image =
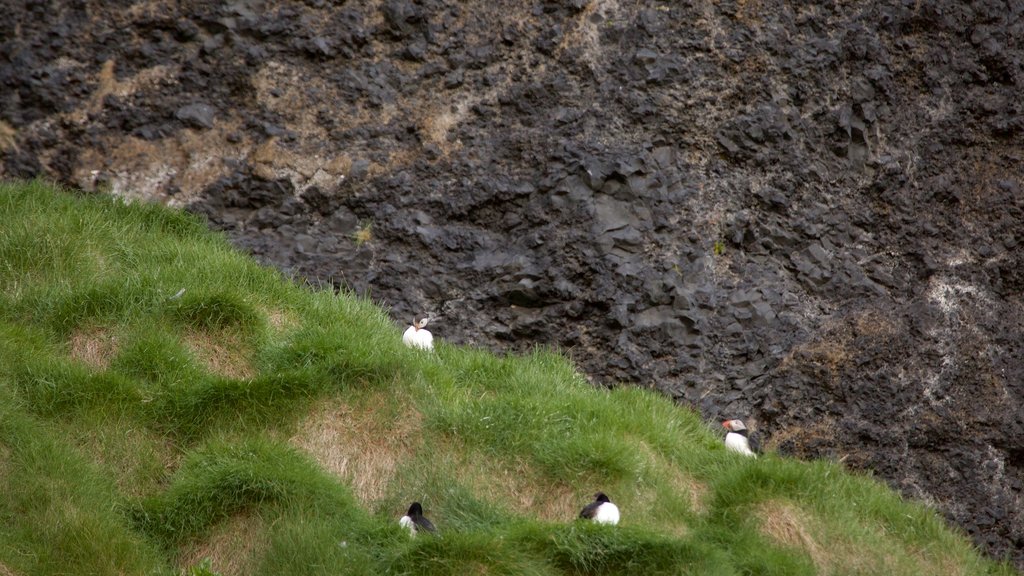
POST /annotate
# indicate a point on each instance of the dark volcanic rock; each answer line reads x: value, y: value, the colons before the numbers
x: 808, y: 216
x: 196, y: 115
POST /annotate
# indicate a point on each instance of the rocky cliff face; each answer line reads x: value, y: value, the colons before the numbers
x: 809, y: 217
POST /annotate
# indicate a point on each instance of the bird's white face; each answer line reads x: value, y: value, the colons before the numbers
x: 734, y: 425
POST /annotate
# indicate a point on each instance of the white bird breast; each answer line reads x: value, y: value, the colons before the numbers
x: 407, y: 523
x: 738, y: 443
x: 421, y: 338
x: 607, y: 513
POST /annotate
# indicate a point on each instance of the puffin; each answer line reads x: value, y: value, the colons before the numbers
x: 416, y: 336
x: 736, y: 439
x: 414, y: 520
x: 601, y: 510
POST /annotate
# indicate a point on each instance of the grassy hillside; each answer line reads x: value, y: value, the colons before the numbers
x: 251, y: 426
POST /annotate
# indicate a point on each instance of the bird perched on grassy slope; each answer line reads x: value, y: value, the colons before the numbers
x: 417, y: 336
x: 738, y: 440
x: 601, y: 510
x: 414, y: 520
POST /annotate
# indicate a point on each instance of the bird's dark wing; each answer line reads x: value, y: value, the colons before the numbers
x: 754, y: 439
x: 424, y: 524
x: 590, y: 510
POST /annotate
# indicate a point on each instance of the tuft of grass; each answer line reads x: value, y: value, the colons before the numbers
x: 214, y: 311
x: 62, y: 507
x: 165, y: 399
x: 459, y: 553
x: 203, y: 568
x: 364, y: 234
x: 155, y: 356
x: 585, y: 548
x: 220, y: 479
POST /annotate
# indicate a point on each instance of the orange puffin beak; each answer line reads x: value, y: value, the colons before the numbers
x: 725, y: 424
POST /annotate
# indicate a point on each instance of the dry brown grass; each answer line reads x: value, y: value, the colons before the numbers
x: 281, y: 320
x: 516, y: 484
x: 520, y: 486
x: 5, y: 571
x: 138, y: 458
x: 93, y: 346
x: 874, y: 324
x: 696, y: 490
x: 832, y: 354
x: 584, y: 32
x: 229, y: 546
x: 192, y: 159
x: 303, y: 165
x: 301, y: 99
x: 824, y: 429
x: 434, y: 127
x: 749, y: 12
x: 847, y: 549
x: 838, y: 344
x: 146, y: 9
x: 137, y: 168
x: 221, y: 352
x: 107, y: 84
x: 7, y: 136
x: 362, y: 443
x: 698, y: 493
x: 824, y: 358
x: 943, y: 562
x: 273, y: 157
x: 363, y: 234
x: 5, y: 457
x: 790, y: 526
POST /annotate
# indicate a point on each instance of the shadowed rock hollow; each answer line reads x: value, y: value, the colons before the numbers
x: 809, y: 217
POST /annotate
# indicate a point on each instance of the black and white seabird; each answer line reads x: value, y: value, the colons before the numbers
x: 414, y: 520
x: 737, y: 440
x: 417, y: 336
x: 601, y: 510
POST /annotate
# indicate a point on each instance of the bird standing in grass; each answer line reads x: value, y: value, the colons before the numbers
x: 414, y: 520
x: 737, y: 439
x: 601, y: 510
x: 416, y: 336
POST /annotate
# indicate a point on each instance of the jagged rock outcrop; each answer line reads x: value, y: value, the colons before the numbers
x: 806, y: 216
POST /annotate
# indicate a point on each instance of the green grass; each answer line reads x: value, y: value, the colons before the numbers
x: 249, y: 425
